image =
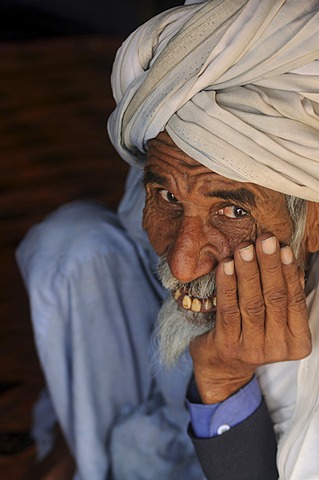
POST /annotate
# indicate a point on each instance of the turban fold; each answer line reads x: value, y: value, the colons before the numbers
x: 235, y: 83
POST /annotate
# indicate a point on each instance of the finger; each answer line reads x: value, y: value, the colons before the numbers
x: 228, y: 320
x: 250, y: 296
x: 297, y: 315
x: 273, y: 284
x: 302, y: 279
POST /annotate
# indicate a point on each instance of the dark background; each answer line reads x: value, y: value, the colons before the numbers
x: 55, y: 97
x: 22, y: 19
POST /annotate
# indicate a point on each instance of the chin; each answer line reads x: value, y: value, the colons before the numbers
x: 177, y: 327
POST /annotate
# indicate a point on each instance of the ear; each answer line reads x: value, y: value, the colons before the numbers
x: 312, y: 227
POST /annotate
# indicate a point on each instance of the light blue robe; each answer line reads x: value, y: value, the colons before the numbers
x: 94, y: 298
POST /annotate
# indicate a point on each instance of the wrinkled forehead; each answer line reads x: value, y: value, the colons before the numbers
x: 163, y: 152
x: 165, y: 146
x: 168, y: 165
x: 165, y: 160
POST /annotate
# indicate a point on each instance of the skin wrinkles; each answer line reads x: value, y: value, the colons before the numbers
x: 242, y: 195
x: 188, y: 211
x: 226, y: 237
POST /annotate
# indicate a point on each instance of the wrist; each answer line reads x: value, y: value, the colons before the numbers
x: 217, y: 388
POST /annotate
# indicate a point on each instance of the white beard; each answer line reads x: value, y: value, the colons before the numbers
x: 175, y: 331
x: 177, y: 327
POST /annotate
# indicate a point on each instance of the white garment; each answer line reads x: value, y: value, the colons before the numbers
x: 291, y: 390
x: 235, y: 83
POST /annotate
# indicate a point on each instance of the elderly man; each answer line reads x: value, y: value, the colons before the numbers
x: 219, y: 102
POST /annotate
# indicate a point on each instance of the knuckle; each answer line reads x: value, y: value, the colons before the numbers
x: 276, y: 298
x: 255, y: 357
x: 298, y: 302
x: 273, y: 268
x: 277, y: 348
x: 280, y: 355
x: 230, y: 322
x: 253, y: 310
x: 231, y: 352
x: 302, y: 350
x: 228, y: 294
x: 294, y: 283
x: 229, y: 313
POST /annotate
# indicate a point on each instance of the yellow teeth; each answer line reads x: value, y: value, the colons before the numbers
x: 208, y: 304
x: 178, y: 293
x: 187, y: 302
x: 196, y: 305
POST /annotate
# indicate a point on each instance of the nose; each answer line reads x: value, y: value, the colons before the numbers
x: 196, y: 249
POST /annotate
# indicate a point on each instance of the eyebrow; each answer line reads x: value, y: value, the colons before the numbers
x: 151, y: 177
x: 241, y: 195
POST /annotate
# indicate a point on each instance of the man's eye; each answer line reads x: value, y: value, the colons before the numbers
x: 168, y: 196
x: 232, y: 212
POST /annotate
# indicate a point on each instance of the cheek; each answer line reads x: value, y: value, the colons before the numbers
x: 280, y: 226
x: 159, y: 230
x: 237, y: 231
x: 272, y: 216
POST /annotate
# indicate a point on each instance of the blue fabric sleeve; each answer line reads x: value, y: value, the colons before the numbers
x: 212, y: 420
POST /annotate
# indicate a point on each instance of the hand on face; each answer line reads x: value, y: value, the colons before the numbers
x: 261, y: 318
x: 198, y: 221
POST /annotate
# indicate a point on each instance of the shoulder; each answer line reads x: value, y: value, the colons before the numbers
x: 71, y: 235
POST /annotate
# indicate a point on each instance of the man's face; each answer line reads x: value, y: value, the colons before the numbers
x: 195, y: 218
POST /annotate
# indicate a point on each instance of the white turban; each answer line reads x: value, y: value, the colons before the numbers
x: 235, y: 83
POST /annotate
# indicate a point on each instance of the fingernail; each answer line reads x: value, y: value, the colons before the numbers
x: 286, y: 255
x: 269, y: 245
x: 229, y: 267
x: 247, y: 253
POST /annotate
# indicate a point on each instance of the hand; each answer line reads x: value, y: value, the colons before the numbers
x: 261, y: 318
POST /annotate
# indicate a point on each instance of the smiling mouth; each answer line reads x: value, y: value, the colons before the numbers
x: 195, y: 304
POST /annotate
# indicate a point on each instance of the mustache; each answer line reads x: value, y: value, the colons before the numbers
x: 201, y: 287
x: 177, y: 327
